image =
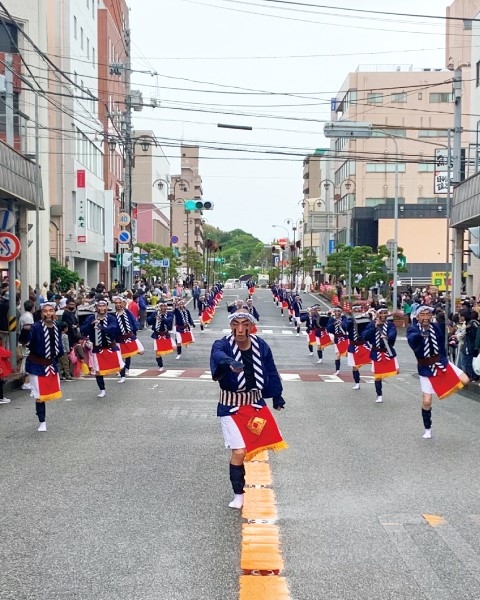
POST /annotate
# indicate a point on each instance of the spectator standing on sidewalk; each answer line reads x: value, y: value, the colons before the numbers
x: 64, y: 366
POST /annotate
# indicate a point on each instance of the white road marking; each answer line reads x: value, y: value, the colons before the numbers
x: 290, y: 377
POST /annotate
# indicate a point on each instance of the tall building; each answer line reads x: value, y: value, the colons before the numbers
x: 81, y: 213
x: 112, y: 27
x: 411, y: 111
x: 23, y: 39
x: 150, y: 181
x: 462, y: 53
x: 187, y: 225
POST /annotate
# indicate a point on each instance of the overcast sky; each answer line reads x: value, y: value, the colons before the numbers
x: 273, y: 65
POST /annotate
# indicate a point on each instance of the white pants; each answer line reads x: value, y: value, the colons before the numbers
x: 231, y: 434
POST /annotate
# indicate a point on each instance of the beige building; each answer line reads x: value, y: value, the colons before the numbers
x: 187, y: 226
x: 411, y: 111
x: 462, y: 51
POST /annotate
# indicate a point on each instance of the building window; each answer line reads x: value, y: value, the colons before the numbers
x: 374, y: 98
x: 75, y: 27
x: 93, y: 9
x: 431, y: 201
x: 8, y: 37
x: 467, y: 24
x: 3, y: 118
x: 88, y: 4
x: 477, y: 77
x: 432, y: 133
x: 81, y: 38
x: 441, y: 97
x: 420, y: 95
x: 88, y: 48
x: 426, y: 167
x: 399, y: 98
x: 371, y: 202
x: 391, y: 132
x: 95, y: 217
x: 93, y: 56
x: 385, y: 167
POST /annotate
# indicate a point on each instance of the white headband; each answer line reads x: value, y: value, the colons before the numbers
x: 241, y: 315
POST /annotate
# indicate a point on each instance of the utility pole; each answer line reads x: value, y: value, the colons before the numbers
x: 129, y: 155
x: 12, y: 265
x: 457, y: 234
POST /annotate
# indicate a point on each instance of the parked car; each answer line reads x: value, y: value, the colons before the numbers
x: 232, y: 284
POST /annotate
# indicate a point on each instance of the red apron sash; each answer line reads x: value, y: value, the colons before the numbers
x: 164, y: 345
x: 49, y: 387
x: 259, y: 430
x: 108, y: 361
x: 386, y: 367
x: 445, y: 383
x: 362, y: 356
x: 186, y: 338
x: 130, y: 348
x: 324, y: 340
x: 342, y: 346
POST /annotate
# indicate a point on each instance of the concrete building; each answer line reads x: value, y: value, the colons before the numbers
x: 187, y: 227
x: 151, y: 207
x: 411, y: 111
x: 462, y: 51
x: 112, y: 24
x: 81, y: 214
x: 18, y: 191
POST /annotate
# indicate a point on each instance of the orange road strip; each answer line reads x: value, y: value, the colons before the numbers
x: 258, y: 473
x: 263, y: 588
x: 261, y: 559
x: 434, y: 520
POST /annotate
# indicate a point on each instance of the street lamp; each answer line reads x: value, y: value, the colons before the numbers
x: 346, y: 210
x: 306, y: 203
x: 326, y: 186
x: 350, y: 129
x: 295, y: 226
x: 129, y: 144
x: 281, y: 250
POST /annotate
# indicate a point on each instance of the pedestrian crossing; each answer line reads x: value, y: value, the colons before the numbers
x: 205, y: 375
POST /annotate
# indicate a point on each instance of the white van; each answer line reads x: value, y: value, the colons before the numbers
x: 232, y: 284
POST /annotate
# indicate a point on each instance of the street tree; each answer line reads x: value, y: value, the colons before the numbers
x: 151, y: 253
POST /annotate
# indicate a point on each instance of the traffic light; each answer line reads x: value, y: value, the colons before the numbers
x: 298, y: 244
x: 198, y: 205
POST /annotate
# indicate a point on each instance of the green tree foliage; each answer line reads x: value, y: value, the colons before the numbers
x: 58, y: 270
x: 153, y: 252
x: 361, y: 260
x: 243, y: 253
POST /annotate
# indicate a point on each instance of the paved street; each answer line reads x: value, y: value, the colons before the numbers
x: 126, y: 497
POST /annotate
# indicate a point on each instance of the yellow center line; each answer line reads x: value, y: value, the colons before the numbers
x: 261, y: 559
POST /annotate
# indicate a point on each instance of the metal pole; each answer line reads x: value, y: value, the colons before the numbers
x: 310, y: 214
x: 447, y: 252
x: 457, y: 262
x: 37, y: 204
x: 395, y: 232
x: 9, y: 136
x: 129, y: 152
x: 188, y: 254
x: 395, y: 225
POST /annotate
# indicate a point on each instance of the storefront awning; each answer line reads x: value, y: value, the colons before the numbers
x: 17, y: 178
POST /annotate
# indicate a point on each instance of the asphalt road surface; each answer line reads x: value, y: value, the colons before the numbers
x: 126, y: 497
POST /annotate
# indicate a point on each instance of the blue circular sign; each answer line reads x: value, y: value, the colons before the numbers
x: 174, y: 239
x: 124, y: 237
